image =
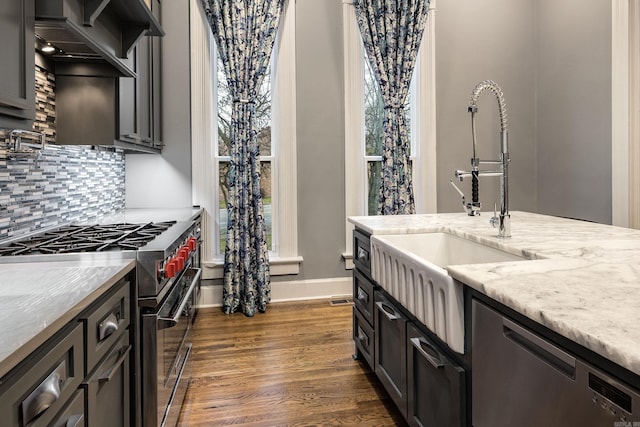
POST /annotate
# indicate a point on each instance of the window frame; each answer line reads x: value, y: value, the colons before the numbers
x: 423, y: 124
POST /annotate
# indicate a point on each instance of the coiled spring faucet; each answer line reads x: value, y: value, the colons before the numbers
x: 503, y: 220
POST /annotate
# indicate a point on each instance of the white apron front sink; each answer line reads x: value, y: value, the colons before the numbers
x: 412, y: 268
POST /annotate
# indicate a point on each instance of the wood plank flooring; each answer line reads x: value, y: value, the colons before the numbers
x: 291, y: 366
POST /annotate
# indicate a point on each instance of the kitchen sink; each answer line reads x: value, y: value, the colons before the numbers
x: 412, y: 268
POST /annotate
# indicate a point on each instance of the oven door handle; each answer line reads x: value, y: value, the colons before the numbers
x: 170, y: 322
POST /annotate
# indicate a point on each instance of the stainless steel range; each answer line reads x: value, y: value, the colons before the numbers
x: 168, y: 285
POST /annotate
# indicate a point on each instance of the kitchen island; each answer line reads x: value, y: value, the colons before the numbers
x: 583, y: 279
x: 577, y: 287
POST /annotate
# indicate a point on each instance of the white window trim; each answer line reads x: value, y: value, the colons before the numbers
x: 424, y: 170
x: 625, y: 121
x: 284, y: 258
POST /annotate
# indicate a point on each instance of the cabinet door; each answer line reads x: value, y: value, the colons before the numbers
x: 73, y: 414
x: 17, y: 66
x: 34, y: 392
x: 108, y: 388
x: 363, y: 295
x: 363, y: 338
x: 435, y: 386
x: 140, y: 97
x: 156, y: 79
x: 391, y: 350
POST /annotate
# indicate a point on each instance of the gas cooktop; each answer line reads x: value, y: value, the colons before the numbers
x: 87, y: 238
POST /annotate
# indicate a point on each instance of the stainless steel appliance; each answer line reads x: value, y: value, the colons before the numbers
x: 168, y: 280
x: 521, y: 379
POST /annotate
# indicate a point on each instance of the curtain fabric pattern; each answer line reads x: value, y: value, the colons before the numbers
x: 245, y: 32
x: 391, y: 31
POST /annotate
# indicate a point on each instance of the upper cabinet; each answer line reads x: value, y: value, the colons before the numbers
x: 140, y: 98
x: 17, y: 99
x: 114, y: 110
x: 94, y: 36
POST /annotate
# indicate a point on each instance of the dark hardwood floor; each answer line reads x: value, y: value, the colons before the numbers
x: 291, y: 366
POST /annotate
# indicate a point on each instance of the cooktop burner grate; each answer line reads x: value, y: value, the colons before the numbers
x: 87, y: 238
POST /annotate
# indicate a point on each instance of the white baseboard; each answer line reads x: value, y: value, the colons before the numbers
x: 296, y: 290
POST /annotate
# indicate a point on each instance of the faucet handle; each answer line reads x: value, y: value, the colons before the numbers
x: 495, y: 221
x: 472, y: 209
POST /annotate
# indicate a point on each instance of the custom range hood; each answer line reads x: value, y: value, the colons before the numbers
x: 93, y: 37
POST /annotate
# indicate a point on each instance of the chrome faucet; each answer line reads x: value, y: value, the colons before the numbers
x: 503, y: 220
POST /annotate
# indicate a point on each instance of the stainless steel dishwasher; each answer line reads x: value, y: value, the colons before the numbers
x: 520, y: 379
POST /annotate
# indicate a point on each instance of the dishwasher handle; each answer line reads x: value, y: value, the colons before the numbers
x: 543, y: 350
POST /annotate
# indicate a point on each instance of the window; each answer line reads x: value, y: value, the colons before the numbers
x: 263, y: 118
x: 363, y: 126
x: 211, y: 111
x: 373, y: 107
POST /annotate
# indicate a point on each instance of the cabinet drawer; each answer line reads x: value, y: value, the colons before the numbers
x: 390, y: 328
x: 363, y: 295
x: 108, y: 388
x: 363, y: 337
x: 361, y: 252
x: 36, y: 390
x: 435, y: 385
x: 73, y: 413
x: 104, y: 325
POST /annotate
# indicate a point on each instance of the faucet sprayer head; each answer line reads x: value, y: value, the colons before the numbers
x: 493, y: 87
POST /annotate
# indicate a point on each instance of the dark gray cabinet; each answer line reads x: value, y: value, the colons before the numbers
x: 390, y: 330
x: 435, y: 385
x: 82, y: 376
x: 363, y: 293
x: 37, y: 389
x: 139, y: 98
x: 109, y: 110
x: 425, y: 381
x: 108, y: 388
x: 17, y: 64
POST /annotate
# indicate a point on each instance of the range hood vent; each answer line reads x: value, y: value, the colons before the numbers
x: 93, y: 37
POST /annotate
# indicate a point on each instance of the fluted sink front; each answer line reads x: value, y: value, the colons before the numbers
x: 412, y: 268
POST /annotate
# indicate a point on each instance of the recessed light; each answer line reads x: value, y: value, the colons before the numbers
x: 48, y: 48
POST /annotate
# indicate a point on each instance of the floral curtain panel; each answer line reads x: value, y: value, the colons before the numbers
x: 391, y: 32
x: 245, y: 32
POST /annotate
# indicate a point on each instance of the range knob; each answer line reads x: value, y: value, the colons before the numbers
x: 180, y: 261
x: 184, y: 252
x: 192, y: 243
x: 170, y: 269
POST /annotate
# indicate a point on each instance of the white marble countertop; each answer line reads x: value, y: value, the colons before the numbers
x: 37, y: 299
x: 583, y: 279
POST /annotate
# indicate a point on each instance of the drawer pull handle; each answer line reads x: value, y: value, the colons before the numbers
x: 75, y: 421
x: 388, y: 311
x: 108, y: 326
x: 45, y: 395
x: 362, y: 295
x: 363, y: 255
x: 363, y: 338
x: 428, y: 352
x: 108, y: 375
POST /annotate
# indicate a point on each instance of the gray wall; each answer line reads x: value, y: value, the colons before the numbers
x: 164, y: 181
x: 320, y: 138
x: 574, y: 109
x: 475, y: 41
x: 553, y: 61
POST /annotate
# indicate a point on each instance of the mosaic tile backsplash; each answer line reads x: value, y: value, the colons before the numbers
x: 64, y: 184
